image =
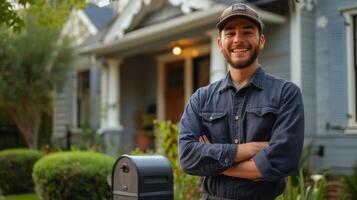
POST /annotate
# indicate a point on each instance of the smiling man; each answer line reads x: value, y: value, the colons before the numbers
x: 243, y: 134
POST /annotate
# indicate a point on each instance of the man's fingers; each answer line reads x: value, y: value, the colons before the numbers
x: 200, y: 139
x: 203, y: 139
x: 206, y: 139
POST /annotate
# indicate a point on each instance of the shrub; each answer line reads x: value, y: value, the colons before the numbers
x: 350, y: 185
x: 16, y: 170
x: 185, y: 186
x: 166, y: 141
x: 73, y: 175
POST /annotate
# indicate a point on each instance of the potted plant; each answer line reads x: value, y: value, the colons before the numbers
x: 145, y: 135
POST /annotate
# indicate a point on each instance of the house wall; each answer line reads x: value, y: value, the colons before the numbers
x: 308, y: 70
x: 331, y: 90
x: 275, y: 57
x: 138, y: 91
x: 63, y: 111
x: 94, y: 75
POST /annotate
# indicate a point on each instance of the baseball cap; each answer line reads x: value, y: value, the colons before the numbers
x: 239, y: 10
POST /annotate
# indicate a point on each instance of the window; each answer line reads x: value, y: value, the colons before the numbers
x: 83, y: 99
x: 350, y: 15
x: 201, y: 71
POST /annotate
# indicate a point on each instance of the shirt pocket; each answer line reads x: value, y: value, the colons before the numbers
x: 215, y: 126
x: 259, y: 122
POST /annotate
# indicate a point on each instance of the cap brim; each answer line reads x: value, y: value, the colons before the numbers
x: 224, y: 21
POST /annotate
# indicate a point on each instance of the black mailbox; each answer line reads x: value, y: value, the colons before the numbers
x: 142, y: 178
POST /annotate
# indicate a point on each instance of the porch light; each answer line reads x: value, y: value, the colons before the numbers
x: 176, y: 50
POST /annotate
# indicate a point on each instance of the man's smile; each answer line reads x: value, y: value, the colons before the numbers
x: 238, y: 50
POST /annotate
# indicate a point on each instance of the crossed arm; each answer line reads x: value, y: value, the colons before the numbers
x: 246, y: 167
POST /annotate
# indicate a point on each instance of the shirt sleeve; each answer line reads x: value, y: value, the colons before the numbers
x: 281, y: 157
x: 196, y: 158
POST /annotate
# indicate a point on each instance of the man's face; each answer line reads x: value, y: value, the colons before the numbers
x: 240, y: 42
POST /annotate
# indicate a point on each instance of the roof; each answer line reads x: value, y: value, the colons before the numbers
x: 119, y: 35
x: 99, y: 16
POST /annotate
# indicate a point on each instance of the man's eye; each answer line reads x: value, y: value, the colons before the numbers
x: 229, y: 33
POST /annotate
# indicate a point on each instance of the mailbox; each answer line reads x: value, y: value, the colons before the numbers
x: 142, y: 178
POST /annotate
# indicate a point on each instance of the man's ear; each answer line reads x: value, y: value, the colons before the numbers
x: 262, y: 41
x: 219, y: 42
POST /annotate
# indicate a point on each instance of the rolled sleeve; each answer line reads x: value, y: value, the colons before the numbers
x: 282, y: 156
x: 196, y: 158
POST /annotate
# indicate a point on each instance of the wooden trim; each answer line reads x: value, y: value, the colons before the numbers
x: 188, y: 54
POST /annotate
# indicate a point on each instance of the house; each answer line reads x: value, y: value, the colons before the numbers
x: 77, y: 105
x: 310, y: 42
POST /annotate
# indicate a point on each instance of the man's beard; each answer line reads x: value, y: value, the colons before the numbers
x: 247, y: 63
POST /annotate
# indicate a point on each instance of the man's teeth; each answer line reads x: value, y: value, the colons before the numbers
x: 239, y: 50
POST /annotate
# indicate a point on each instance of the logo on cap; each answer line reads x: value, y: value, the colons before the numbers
x: 239, y: 7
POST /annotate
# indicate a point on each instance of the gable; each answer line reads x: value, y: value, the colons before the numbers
x: 134, y: 14
x: 167, y: 12
x: 78, y: 27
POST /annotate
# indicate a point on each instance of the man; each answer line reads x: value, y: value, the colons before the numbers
x: 244, y: 133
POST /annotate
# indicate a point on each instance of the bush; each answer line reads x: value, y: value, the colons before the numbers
x: 185, y: 186
x: 16, y: 170
x: 350, y: 185
x: 73, y: 175
x: 166, y: 141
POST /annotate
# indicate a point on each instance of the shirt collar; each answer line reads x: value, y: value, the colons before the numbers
x: 256, y: 80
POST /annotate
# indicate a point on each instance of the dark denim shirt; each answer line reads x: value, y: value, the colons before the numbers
x: 267, y: 109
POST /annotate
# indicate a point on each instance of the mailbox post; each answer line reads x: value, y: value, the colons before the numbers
x: 142, y: 178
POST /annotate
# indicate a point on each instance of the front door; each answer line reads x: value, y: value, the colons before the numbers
x: 174, y: 90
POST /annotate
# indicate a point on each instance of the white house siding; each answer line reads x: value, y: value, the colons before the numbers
x: 63, y: 112
x: 331, y: 90
x: 308, y: 69
x: 275, y: 56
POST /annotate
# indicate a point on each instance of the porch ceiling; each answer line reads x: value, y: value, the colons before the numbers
x: 159, y: 34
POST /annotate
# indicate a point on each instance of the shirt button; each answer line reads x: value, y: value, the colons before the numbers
x: 237, y: 117
x: 236, y: 141
x: 226, y: 161
x: 211, y: 118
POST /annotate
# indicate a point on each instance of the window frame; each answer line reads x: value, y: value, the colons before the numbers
x: 350, y: 15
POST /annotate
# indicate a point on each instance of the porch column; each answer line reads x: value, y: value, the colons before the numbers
x: 218, y: 68
x: 113, y: 103
x: 103, y: 96
x: 110, y: 125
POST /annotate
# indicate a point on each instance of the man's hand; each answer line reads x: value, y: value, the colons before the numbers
x: 246, y: 167
x: 204, y: 140
x: 248, y: 150
x: 244, y: 151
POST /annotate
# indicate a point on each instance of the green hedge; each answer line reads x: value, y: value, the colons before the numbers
x: 16, y: 170
x: 73, y: 175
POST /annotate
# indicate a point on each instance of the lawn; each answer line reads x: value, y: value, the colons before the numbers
x: 21, y: 197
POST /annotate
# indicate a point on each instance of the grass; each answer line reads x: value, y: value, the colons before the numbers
x: 21, y: 197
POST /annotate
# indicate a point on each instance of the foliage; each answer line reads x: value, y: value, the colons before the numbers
x: 9, y: 16
x: 51, y: 13
x: 73, y: 175
x: 21, y: 197
x: 299, y: 188
x: 29, y: 76
x: 350, y: 185
x: 16, y: 170
x: 166, y: 135
x: 304, y: 191
x: 185, y: 186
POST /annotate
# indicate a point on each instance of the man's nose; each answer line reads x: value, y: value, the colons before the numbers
x: 238, y: 37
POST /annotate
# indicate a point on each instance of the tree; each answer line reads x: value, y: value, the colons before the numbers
x: 50, y: 12
x: 33, y: 64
